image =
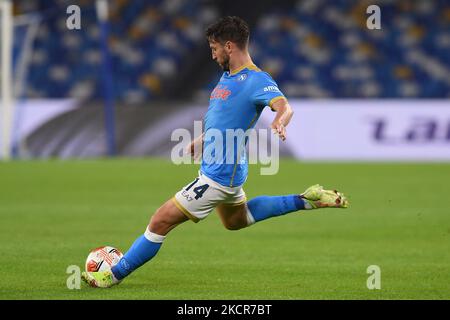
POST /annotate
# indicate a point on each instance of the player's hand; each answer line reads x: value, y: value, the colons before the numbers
x: 190, y: 149
x: 279, y: 129
x: 194, y: 150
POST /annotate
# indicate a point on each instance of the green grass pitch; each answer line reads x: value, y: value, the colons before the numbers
x: 52, y: 213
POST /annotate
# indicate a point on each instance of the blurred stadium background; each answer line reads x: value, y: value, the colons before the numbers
x: 118, y: 86
x: 136, y: 70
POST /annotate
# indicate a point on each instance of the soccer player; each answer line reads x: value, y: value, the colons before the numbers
x: 236, y: 103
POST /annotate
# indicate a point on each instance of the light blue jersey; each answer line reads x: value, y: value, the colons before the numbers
x: 235, y: 103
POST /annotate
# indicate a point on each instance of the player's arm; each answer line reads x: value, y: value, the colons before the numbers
x: 282, y: 118
x: 196, y: 147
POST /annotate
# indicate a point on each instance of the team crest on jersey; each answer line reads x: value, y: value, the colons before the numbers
x: 242, y: 77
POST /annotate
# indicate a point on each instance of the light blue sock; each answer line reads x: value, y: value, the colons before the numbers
x: 265, y: 207
x: 143, y: 249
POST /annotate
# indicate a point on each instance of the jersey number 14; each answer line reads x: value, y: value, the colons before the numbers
x: 199, y: 190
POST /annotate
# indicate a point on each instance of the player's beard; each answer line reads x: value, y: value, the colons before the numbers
x: 226, y: 63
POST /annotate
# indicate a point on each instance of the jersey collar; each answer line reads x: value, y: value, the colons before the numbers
x: 250, y: 66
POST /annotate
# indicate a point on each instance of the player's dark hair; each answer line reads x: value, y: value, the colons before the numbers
x: 229, y: 28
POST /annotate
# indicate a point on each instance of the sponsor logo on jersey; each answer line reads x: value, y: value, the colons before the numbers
x: 271, y: 89
x: 220, y: 92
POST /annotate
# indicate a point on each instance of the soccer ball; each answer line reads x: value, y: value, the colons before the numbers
x: 102, y: 259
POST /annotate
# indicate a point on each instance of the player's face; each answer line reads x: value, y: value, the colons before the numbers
x: 220, y: 55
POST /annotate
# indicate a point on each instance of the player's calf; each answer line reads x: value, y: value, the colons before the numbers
x: 315, y: 197
x: 167, y: 217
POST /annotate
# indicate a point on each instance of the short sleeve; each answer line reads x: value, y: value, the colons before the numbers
x: 265, y: 90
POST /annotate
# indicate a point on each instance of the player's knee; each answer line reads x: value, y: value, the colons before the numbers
x: 234, y: 225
